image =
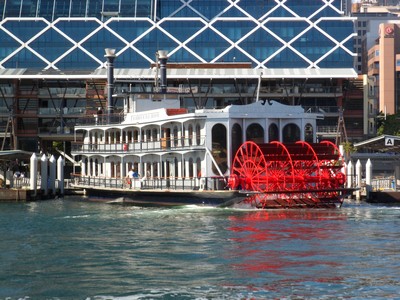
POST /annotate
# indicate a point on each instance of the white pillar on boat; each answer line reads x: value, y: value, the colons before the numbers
x: 33, y: 173
x: 358, y: 179
x: 144, y: 170
x: 140, y: 168
x: 60, y: 174
x: 187, y: 168
x: 350, y: 170
x: 52, y: 174
x: 180, y: 168
x: 83, y: 168
x: 195, y: 173
x: 43, y: 174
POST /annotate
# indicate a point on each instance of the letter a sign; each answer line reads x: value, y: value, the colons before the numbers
x: 389, y: 141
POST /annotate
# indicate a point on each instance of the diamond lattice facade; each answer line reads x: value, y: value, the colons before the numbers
x: 72, y: 34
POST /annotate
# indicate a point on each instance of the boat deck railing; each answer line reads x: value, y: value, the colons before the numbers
x: 140, y: 146
x: 154, y: 183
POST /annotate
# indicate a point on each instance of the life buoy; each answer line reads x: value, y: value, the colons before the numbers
x: 128, y: 180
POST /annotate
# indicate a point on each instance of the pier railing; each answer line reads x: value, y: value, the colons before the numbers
x: 154, y: 183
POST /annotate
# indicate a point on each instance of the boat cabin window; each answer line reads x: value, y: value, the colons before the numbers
x: 190, y: 129
x: 309, y: 133
x: 291, y: 133
x: 236, y: 138
x: 219, y: 151
x: 273, y: 133
x: 255, y: 133
x: 175, y: 133
x: 198, y: 134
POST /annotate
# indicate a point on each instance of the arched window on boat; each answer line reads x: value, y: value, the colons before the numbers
x: 129, y: 136
x: 107, y: 137
x: 219, y: 148
x: 273, y: 133
x: 191, y: 175
x: 190, y: 138
x: 118, y: 170
x: 291, y: 133
x: 154, y: 134
x: 183, y: 137
x: 112, y: 169
x: 198, y: 167
x: 135, y: 135
x: 308, y: 133
x: 175, y: 137
x: 155, y: 169
x: 176, y: 173
x: 198, y: 137
x: 85, y: 171
x: 118, y: 137
x: 96, y: 167
x: 255, y: 133
x: 123, y: 136
x: 236, y: 138
x: 142, y: 136
x: 148, y: 135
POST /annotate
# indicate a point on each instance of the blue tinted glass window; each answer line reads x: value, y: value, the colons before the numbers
x: 2, y: 7
x: 46, y: 9
x: 144, y: 8
x: 62, y: 8
x: 29, y: 8
x: 127, y: 8
x: 166, y: 7
x: 12, y: 8
x: 78, y: 8
x: 111, y: 5
x: 95, y: 8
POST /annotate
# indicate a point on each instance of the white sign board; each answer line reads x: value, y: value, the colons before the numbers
x: 389, y: 141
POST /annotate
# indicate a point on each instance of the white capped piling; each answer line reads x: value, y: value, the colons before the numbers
x: 43, y: 174
x: 368, y: 176
x: 52, y: 174
x: 60, y: 174
x: 350, y: 171
x: 33, y: 174
x: 358, y: 179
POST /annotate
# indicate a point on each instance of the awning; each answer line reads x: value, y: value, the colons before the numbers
x: 15, y: 154
x: 382, y: 143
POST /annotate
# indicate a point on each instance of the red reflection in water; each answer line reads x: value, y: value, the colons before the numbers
x: 286, y: 242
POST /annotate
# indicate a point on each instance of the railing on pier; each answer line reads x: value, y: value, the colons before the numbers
x: 381, y: 184
x: 154, y: 183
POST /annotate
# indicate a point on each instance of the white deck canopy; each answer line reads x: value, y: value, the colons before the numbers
x: 207, y: 73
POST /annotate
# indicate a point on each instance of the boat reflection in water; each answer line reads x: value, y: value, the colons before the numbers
x: 286, y: 248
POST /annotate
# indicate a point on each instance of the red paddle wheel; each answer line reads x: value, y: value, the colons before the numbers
x: 294, y: 175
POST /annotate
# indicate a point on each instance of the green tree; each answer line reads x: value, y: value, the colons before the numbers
x: 389, y: 125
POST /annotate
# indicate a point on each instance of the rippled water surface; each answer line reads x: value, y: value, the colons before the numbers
x: 69, y: 249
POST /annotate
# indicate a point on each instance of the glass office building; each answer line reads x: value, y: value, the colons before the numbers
x: 72, y: 34
x: 52, y: 64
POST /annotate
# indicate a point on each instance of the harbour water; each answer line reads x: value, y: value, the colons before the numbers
x: 70, y: 249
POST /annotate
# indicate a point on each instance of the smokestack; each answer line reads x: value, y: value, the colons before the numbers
x: 163, y: 57
x: 110, y: 55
